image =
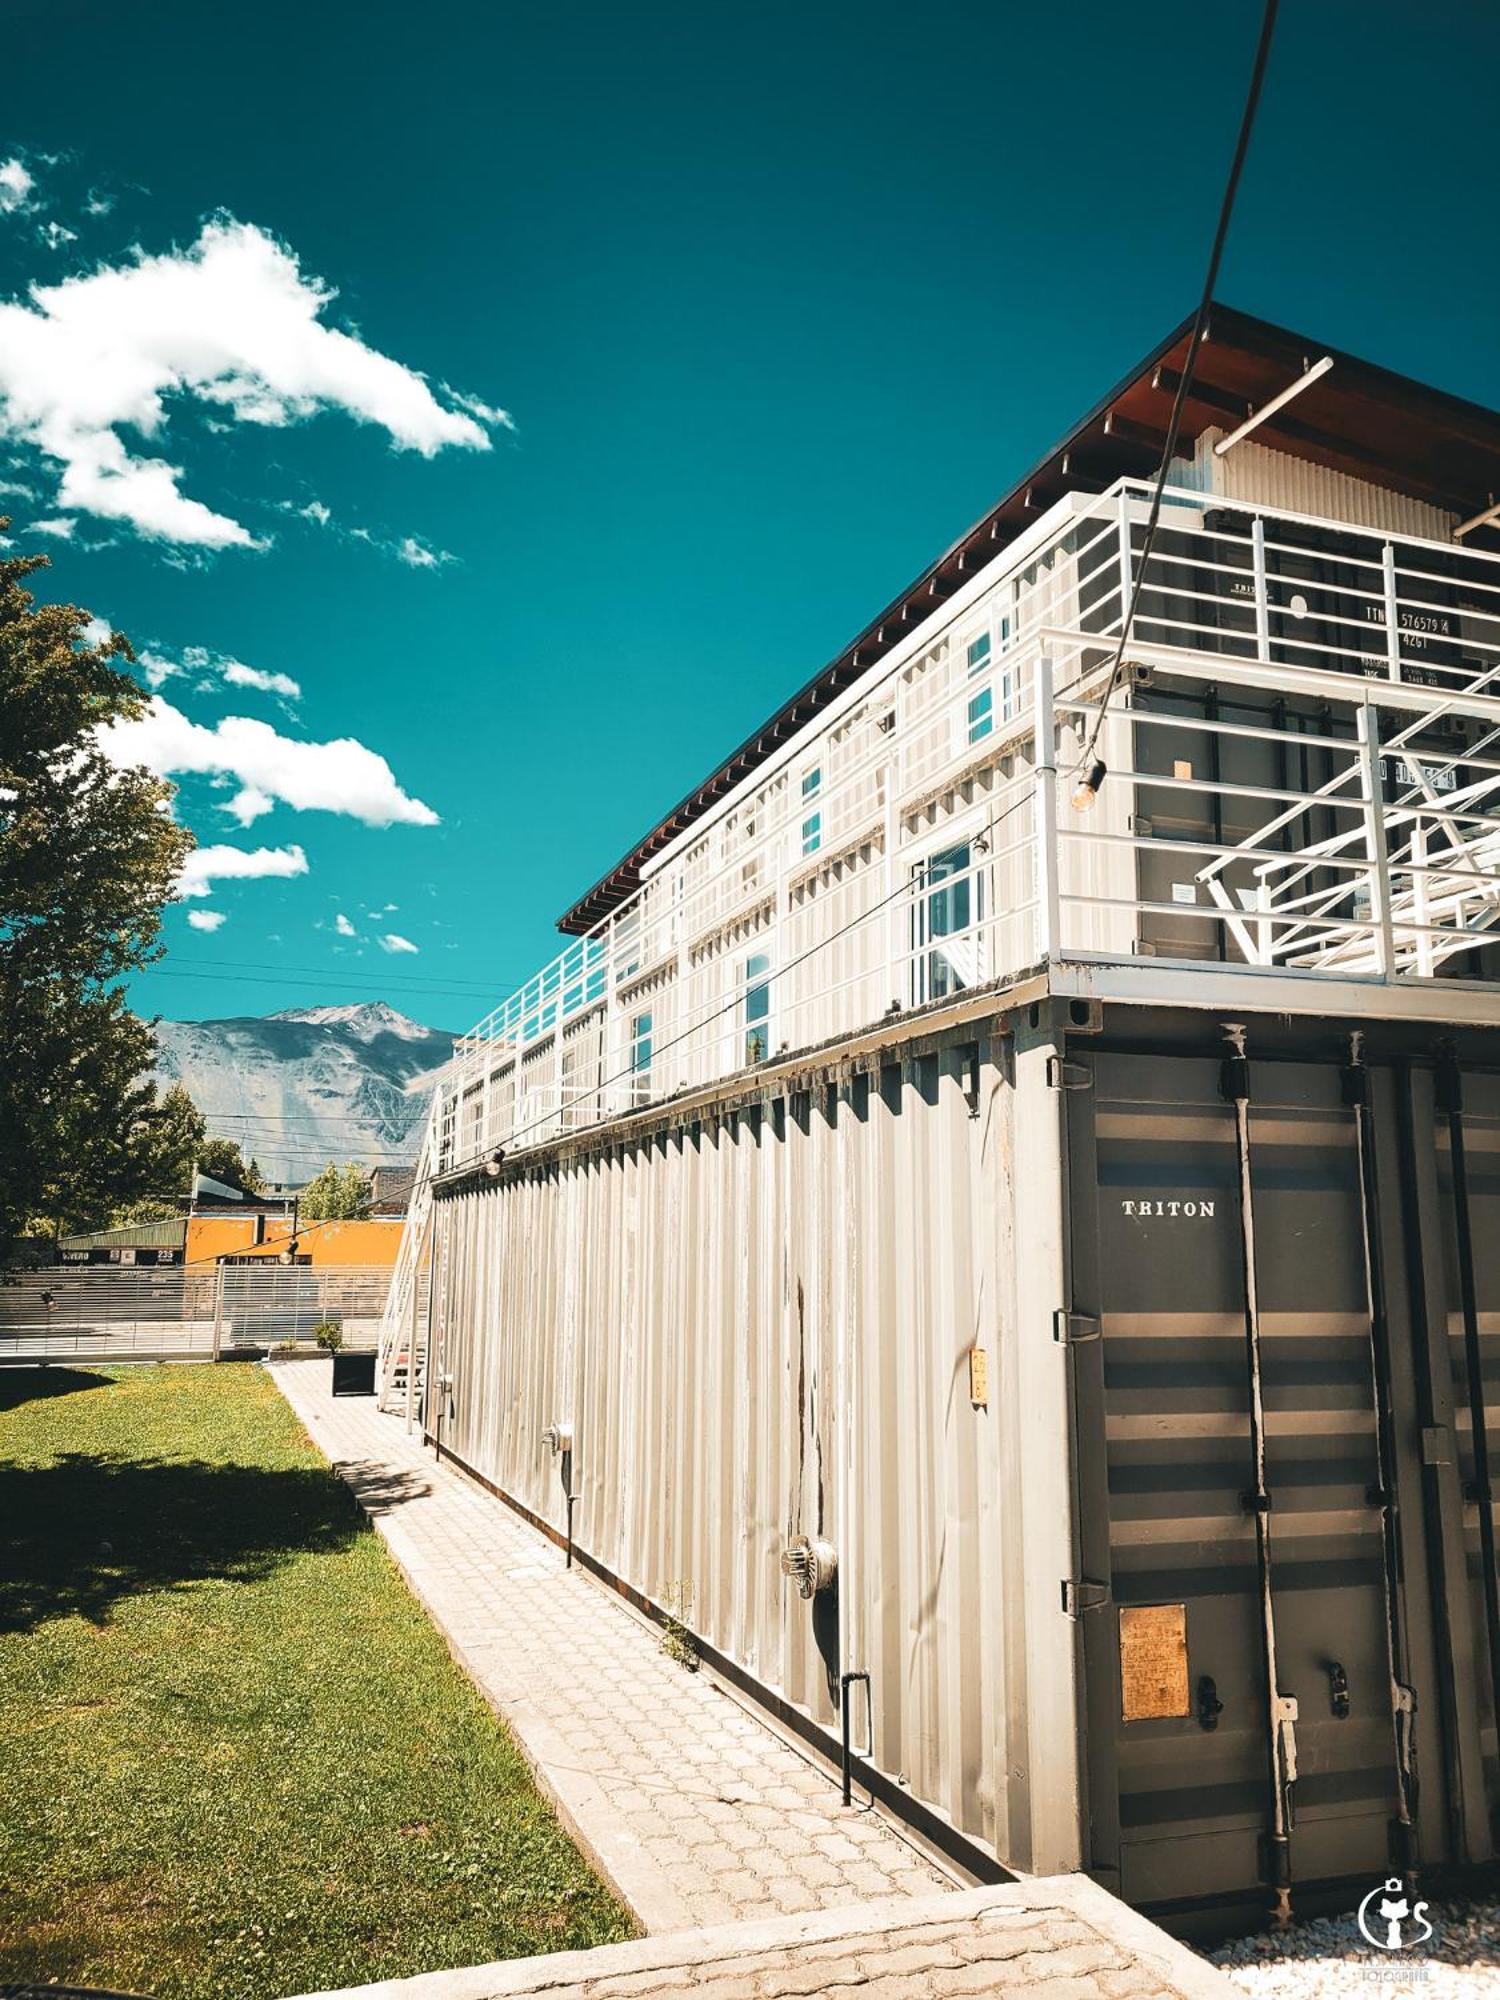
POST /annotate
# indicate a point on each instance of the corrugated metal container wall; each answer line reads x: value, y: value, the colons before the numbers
x: 759, y: 1325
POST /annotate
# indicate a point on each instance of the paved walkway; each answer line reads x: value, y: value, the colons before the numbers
x: 716, y: 1831
x: 1060, y: 1937
x: 694, y: 1810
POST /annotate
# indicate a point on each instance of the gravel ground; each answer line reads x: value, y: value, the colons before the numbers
x: 1328, y: 1956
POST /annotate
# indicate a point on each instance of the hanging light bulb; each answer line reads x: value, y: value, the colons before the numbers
x: 1087, y: 789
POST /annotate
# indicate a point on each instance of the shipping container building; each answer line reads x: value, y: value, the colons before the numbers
x: 1013, y: 1265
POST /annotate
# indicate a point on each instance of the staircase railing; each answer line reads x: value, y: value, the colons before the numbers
x: 401, y: 1368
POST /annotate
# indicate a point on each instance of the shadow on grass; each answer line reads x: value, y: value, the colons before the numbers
x: 37, y: 1385
x: 378, y: 1488
x: 80, y: 1534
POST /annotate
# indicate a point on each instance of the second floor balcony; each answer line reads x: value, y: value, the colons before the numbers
x: 1303, y: 758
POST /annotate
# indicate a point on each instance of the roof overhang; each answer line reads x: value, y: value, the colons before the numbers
x: 1356, y: 418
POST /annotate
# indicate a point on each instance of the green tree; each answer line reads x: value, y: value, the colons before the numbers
x: 88, y: 857
x: 338, y: 1194
x: 224, y: 1159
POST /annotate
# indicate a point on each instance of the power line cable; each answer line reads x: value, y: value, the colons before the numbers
x: 1088, y: 761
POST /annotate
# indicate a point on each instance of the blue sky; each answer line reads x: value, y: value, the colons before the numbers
x: 776, y: 301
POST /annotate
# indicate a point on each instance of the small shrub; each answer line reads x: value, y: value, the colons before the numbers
x: 329, y: 1335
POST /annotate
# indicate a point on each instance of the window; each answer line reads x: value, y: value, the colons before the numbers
x: 979, y: 653
x: 640, y: 1058
x: 981, y: 715
x: 757, y: 1007
x: 945, y: 944
x: 812, y: 824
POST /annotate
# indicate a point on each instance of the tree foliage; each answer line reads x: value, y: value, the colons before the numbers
x: 225, y: 1160
x: 337, y: 1194
x: 88, y: 857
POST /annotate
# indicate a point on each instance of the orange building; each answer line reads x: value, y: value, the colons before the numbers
x: 323, y: 1245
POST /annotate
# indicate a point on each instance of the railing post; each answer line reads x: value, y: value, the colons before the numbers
x: 1379, y: 877
x: 218, y: 1309
x: 1126, y: 577
x: 1421, y: 909
x: 1262, y: 591
x: 1392, y: 613
x: 1044, y: 814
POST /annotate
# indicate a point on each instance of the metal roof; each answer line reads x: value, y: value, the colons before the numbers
x: 169, y: 1235
x: 1358, y: 419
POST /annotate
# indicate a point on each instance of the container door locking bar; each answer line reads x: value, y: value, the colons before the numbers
x: 1281, y: 1708
x: 1356, y: 1091
x: 1450, y: 1101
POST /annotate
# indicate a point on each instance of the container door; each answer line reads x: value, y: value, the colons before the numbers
x: 1467, y: 1136
x: 1243, y: 1663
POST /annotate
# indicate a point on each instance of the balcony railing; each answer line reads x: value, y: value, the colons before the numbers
x: 1304, y: 771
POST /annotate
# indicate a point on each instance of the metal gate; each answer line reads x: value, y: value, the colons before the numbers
x: 178, y: 1313
x: 1281, y: 1345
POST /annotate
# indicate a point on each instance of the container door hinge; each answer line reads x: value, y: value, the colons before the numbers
x: 1072, y: 1329
x: 1083, y: 1593
x: 1063, y: 1075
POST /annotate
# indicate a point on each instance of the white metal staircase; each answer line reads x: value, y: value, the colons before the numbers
x: 401, y: 1368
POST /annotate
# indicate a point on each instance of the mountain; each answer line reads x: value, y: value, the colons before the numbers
x: 309, y: 1084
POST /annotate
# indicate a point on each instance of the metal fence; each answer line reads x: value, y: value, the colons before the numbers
x: 173, y: 1313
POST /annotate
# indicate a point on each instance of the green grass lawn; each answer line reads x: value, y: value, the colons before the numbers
x: 235, y: 1756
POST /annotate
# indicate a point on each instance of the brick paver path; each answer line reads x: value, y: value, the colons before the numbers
x: 694, y: 1810
x: 1059, y: 1937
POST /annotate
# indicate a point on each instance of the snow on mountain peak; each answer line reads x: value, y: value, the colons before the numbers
x: 366, y: 1019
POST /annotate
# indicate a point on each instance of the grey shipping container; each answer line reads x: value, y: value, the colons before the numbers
x: 1138, y: 1373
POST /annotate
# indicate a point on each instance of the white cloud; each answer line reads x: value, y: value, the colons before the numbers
x: 98, y: 204
x: 62, y: 527
x: 343, y: 926
x: 250, y: 804
x: 205, y: 920
x: 391, y: 942
x: 486, y: 412
x: 15, y: 187
x: 233, y: 322
x: 341, y: 776
x: 55, y: 236
x: 207, y: 865
x: 157, y: 668
x: 97, y: 631
x: 237, y: 674
x: 417, y: 555
x: 211, y: 668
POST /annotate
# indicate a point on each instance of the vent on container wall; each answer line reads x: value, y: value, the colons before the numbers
x: 811, y: 1565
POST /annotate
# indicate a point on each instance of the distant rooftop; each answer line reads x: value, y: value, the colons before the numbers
x: 1357, y: 419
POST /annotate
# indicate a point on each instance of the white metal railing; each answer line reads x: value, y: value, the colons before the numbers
x: 1282, y: 795
x: 402, y: 1347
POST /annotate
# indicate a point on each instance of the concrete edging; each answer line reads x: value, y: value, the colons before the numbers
x: 696, y: 1951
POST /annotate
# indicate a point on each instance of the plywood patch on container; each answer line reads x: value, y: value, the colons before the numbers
x: 1153, y: 1661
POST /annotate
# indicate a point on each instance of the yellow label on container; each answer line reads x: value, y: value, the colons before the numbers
x: 979, y: 1376
x: 1153, y: 1661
